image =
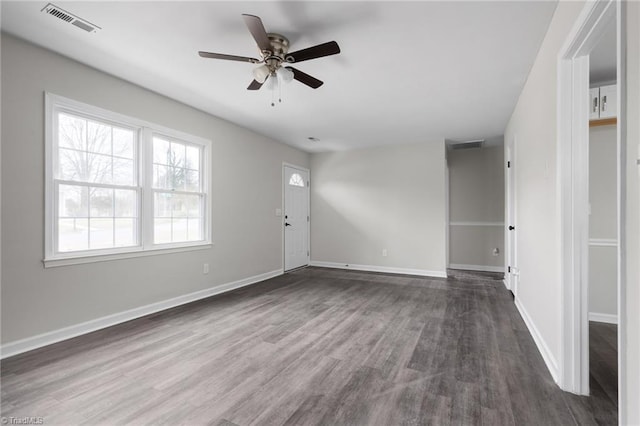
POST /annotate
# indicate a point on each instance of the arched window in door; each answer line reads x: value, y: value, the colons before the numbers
x: 296, y: 180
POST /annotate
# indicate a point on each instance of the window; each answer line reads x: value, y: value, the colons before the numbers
x: 119, y: 186
x: 296, y: 180
x: 178, y: 199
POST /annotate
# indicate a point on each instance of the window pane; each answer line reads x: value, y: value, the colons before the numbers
x: 162, y: 205
x: 178, y: 206
x: 176, y: 178
x: 193, y: 205
x: 192, y: 181
x: 72, y: 165
x: 72, y: 132
x: 99, y: 168
x: 73, y: 234
x: 123, y: 145
x: 101, y: 202
x: 98, y: 138
x: 91, y: 151
x: 123, y: 172
x: 125, y: 232
x: 161, y: 152
x: 162, y: 230
x: 193, y: 158
x: 100, y: 233
x: 177, y: 155
x: 179, y: 230
x: 194, y: 233
x: 160, y: 174
x: 73, y: 201
x: 125, y: 203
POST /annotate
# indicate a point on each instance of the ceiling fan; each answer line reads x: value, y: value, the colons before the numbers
x: 274, y: 49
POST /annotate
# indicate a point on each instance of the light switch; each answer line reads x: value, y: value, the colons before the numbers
x: 278, y: 212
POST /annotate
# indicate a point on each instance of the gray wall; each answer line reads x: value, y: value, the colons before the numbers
x: 533, y: 125
x: 476, y: 205
x: 603, y: 232
x: 246, y: 182
x: 367, y: 200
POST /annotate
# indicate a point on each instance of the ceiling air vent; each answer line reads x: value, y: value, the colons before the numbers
x: 467, y: 144
x: 60, y: 13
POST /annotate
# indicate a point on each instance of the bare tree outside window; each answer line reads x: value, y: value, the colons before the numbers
x: 90, y: 152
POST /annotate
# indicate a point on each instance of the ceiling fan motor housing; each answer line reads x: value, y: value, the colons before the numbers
x: 279, y: 45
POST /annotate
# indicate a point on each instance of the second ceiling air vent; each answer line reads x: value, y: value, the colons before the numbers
x: 467, y: 144
x: 69, y: 17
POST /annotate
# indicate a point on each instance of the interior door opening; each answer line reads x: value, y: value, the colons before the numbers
x: 602, y: 254
x: 590, y: 199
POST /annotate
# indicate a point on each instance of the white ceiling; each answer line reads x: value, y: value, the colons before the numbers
x: 408, y: 72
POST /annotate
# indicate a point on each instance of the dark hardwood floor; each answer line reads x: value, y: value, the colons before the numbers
x: 316, y: 346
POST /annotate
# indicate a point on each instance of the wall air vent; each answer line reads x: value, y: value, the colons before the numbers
x: 467, y: 144
x: 62, y: 14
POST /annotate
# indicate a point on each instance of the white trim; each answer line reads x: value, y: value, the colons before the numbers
x: 572, y: 188
x: 77, y: 260
x: 504, y: 281
x: 603, y: 242
x: 387, y: 269
x: 481, y: 268
x: 547, y: 355
x: 606, y: 318
x: 44, y: 339
x: 476, y: 223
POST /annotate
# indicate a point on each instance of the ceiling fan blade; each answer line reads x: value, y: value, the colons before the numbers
x: 228, y: 57
x: 254, y: 24
x: 306, y: 78
x: 255, y: 85
x: 325, y: 49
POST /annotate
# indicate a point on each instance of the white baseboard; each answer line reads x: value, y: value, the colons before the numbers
x: 608, y: 318
x: 481, y: 268
x: 30, y: 343
x: 547, y: 356
x: 387, y: 269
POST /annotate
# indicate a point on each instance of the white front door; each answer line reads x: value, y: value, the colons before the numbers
x: 296, y: 218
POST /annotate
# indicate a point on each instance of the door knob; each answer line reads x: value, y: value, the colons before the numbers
x: 511, y: 228
x: 287, y: 224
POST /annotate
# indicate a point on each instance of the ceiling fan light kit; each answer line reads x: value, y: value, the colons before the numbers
x: 274, y: 50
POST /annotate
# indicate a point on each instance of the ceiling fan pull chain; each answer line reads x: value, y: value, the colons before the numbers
x: 273, y: 96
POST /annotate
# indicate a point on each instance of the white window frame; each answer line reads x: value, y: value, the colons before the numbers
x: 145, y: 131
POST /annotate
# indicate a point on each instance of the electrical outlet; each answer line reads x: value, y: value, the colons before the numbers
x: 205, y: 268
x: 496, y: 251
x: 384, y: 252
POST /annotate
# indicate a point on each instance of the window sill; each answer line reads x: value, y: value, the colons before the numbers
x: 78, y: 260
